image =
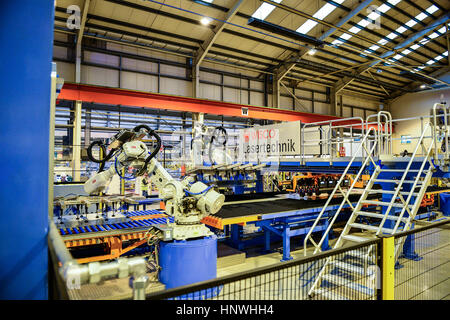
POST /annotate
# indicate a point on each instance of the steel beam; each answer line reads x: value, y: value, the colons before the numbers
x: 285, y: 67
x: 341, y: 84
x: 413, y: 86
x: 207, y: 44
x: 133, y: 98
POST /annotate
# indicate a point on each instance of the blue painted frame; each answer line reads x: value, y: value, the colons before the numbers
x: 27, y: 38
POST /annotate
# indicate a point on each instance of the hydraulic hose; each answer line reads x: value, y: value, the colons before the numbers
x: 151, y: 132
x: 212, y: 140
x: 103, y: 148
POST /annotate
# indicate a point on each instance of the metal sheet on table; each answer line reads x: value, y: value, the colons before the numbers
x: 280, y: 206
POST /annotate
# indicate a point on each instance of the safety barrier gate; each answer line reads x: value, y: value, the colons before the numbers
x: 294, y: 279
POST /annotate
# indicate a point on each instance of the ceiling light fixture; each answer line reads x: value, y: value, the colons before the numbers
x: 312, y: 52
x: 205, y: 21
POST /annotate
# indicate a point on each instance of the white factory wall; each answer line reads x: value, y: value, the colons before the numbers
x: 103, y: 69
x: 413, y: 105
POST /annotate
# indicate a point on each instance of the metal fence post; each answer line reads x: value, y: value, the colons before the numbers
x: 387, y: 269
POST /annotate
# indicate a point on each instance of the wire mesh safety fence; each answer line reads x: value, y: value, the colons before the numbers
x: 347, y: 273
x: 423, y: 264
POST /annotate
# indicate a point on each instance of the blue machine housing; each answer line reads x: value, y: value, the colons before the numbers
x: 188, y: 261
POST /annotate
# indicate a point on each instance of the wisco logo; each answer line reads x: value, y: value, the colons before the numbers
x: 262, y: 134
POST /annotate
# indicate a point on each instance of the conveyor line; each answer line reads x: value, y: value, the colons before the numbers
x: 138, y: 219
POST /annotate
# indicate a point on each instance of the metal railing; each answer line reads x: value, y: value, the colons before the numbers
x: 384, y: 132
x: 418, y: 199
x: 290, y: 280
x: 73, y: 275
x: 351, y: 130
x: 440, y: 131
x: 331, y: 135
x: 338, y: 187
x: 418, y: 279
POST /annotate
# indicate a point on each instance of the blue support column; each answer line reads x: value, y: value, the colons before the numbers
x: 235, y: 238
x: 25, y: 59
x: 286, y: 244
x: 409, y: 248
x: 325, y: 245
x: 266, y: 240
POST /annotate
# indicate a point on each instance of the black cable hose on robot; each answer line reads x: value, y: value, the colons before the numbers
x: 214, y: 137
x: 103, y: 148
x: 151, y: 132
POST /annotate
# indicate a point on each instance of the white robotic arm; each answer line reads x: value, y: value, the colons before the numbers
x: 187, y: 201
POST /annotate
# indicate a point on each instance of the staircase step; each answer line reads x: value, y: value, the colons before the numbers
x: 403, y: 170
x: 396, y: 181
x: 349, y: 267
x: 341, y: 281
x: 379, y: 215
x: 357, y: 254
x: 385, y: 204
x: 354, y: 238
x: 403, y: 193
x: 329, y: 294
x: 370, y: 228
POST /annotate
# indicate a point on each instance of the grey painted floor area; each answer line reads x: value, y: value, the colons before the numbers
x: 429, y: 278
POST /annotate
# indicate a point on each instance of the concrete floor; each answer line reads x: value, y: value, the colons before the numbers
x: 423, y: 283
x: 429, y: 278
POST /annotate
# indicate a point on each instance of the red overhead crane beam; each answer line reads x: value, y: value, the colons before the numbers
x: 125, y: 97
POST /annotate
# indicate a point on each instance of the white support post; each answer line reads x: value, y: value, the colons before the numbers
x: 76, y: 148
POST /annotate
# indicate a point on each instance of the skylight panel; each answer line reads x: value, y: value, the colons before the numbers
x: 430, y: 61
x: 415, y: 46
x: 345, y: 36
x: 374, y: 47
x: 209, y: 1
x: 324, y: 11
x: 354, y: 29
x: 411, y: 23
x: 432, y: 9
x: 439, y: 58
x: 397, y: 56
x: 442, y: 30
x: 406, y: 51
x: 421, y: 16
x: 433, y: 35
x: 373, y: 15
x: 307, y: 26
x: 445, y: 53
x: 264, y: 10
x: 364, y: 23
x: 320, y: 14
x: 391, y: 35
x: 383, y: 8
x: 401, y: 29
